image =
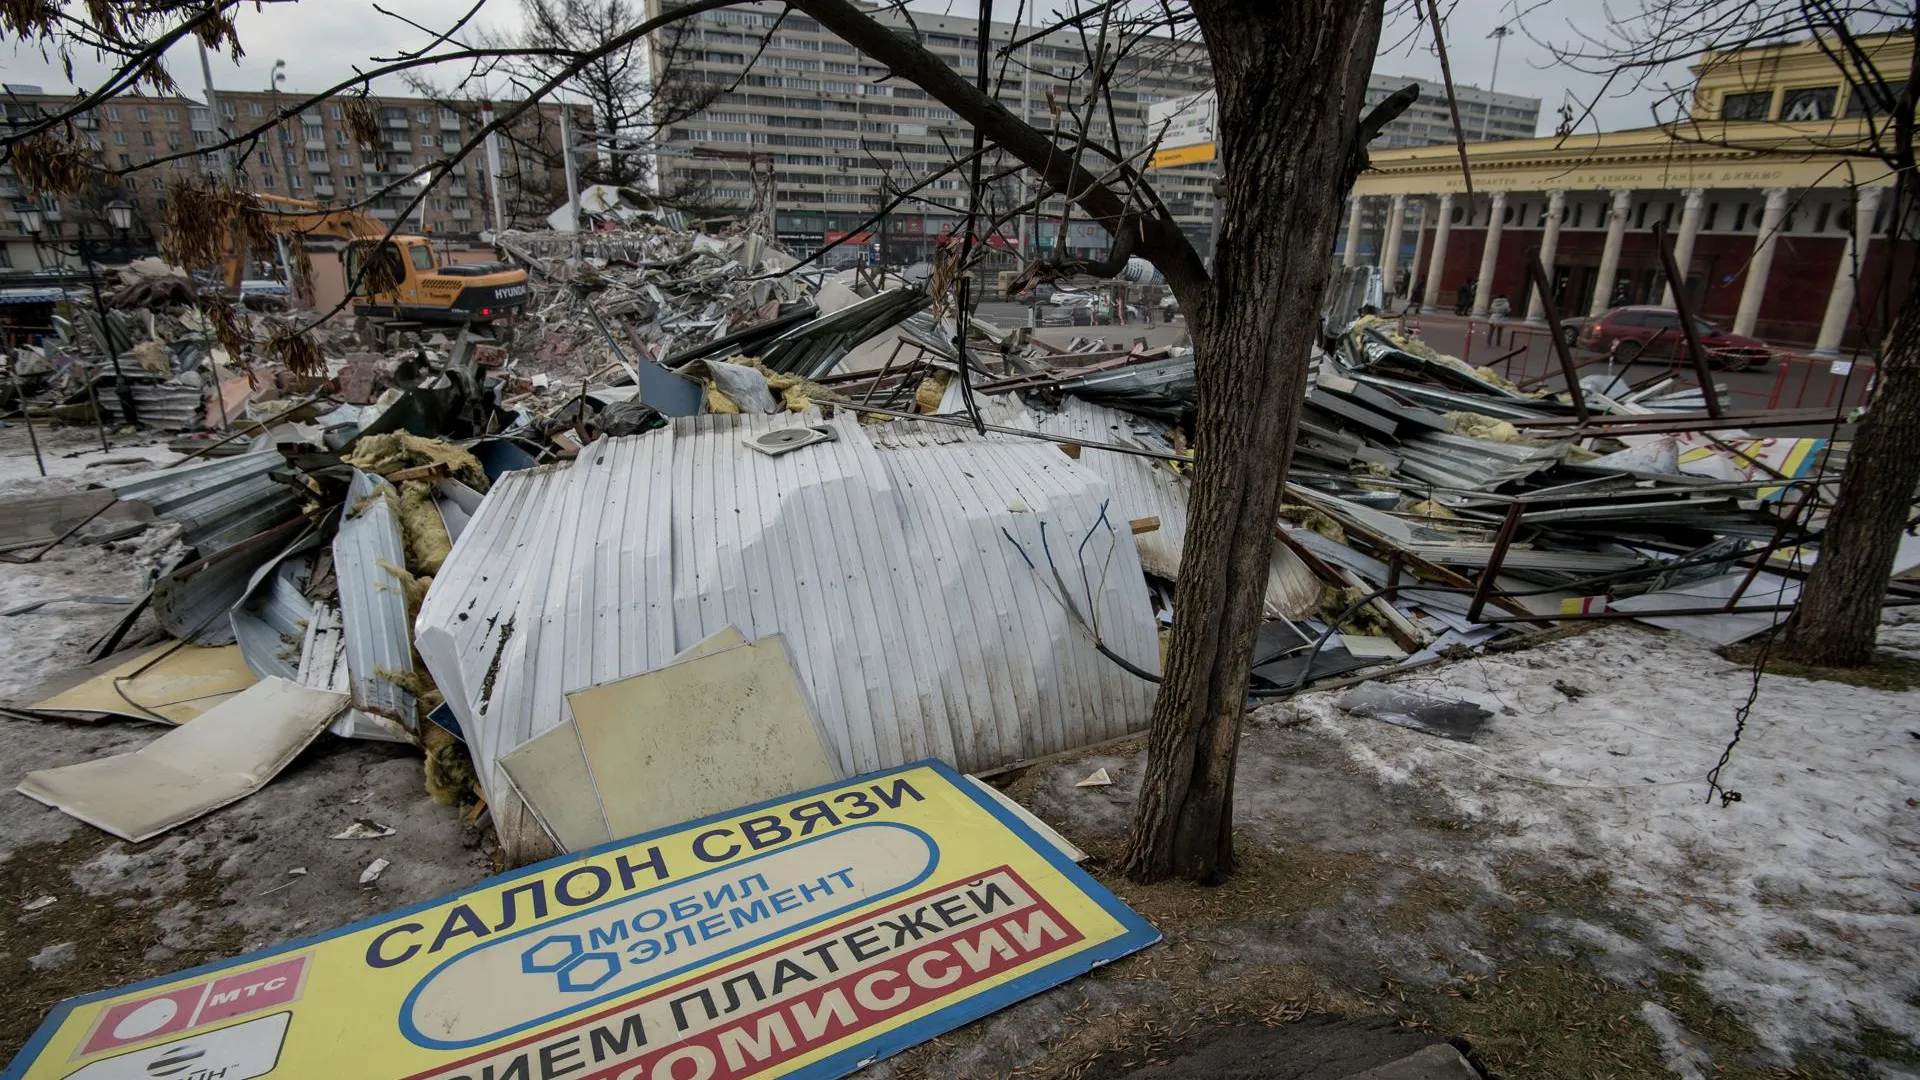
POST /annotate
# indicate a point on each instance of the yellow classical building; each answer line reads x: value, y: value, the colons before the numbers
x: 1762, y: 189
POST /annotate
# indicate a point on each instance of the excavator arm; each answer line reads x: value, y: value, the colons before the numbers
x: 284, y: 216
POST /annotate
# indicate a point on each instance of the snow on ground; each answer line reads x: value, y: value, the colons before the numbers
x: 55, y: 638
x: 73, y: 458
x: 1799, y: 899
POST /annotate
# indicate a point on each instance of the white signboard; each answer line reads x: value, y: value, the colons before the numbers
x: 1186, y: 121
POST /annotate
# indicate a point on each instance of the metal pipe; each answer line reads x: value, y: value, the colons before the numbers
x: 1552, y: 312
x: 20, y: 396
x: 1483, y: 588
x: 1691, y: 332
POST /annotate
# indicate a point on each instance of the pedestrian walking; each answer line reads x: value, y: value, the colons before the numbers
x: 1463, y: 297
x: 1497, y: 314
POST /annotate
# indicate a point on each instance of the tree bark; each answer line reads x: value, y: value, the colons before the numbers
x: 1291, y: 78
x: 1838, y: 617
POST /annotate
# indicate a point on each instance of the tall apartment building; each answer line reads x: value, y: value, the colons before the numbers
x: 309, y: 156
x: 1486, y: 115
x: 813, y: 108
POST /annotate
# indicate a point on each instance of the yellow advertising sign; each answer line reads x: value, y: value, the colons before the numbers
x: 1185, y: 155
x: 803, y: 937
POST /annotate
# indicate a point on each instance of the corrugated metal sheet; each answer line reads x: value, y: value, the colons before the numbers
x: 165, y: 406
x: 1021, y: 676
x: 194, y: 600
x: 218, y: 502
x: 909, y: 626
x: 323, y: 666
x: 271, y: 619
x: 812, y: 349
x: 1143, y: 487
x: 367, y: 550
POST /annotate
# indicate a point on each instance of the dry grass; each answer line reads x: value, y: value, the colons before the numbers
x: 1889, y: 671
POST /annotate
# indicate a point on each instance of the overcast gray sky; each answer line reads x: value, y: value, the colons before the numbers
x: 324, y: 41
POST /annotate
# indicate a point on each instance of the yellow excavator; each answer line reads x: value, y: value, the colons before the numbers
x: 399, y: 278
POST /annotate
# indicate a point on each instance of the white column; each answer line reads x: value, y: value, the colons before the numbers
x: 1610, y: 255
x: 1390, y: 242
x: 1549, y: 251
x: 1845, y: 279
x: 1490, y: 253
x: 1351, y: 258
x: 1442, y: 224
x: 1761, y: 264
x: 1419, y: 246
x: 1683, y: 243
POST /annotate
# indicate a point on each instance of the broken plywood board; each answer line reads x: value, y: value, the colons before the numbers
x: 699, y: 737
x: 550, y: 770
x: 226, y: 754
x: 171, y: 683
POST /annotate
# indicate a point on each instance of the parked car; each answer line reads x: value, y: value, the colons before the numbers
x: 1654, y: 333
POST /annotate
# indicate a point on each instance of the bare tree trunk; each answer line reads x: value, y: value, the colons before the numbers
x: 1290, y: 76
x: 1839, y: 613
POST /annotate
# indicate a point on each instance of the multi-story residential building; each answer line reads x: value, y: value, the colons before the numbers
x: 1486, y: 117
x: 794, y: 97
x: 1484, y: 114
x: 309, y: 156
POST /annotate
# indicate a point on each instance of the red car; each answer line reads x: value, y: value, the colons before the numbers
x: 1653, y: 333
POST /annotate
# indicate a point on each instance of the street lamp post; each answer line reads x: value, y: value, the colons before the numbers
x: 1499, y: 37
x: 285, y: 138
x: 120, y: 217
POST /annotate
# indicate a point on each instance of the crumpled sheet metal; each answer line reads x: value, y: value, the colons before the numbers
x: 217, y: 503
x: 369, y: 558
x: 812, y: 349
x: 194, y: 601
x: 1143, y: 487
x: 578, y: 574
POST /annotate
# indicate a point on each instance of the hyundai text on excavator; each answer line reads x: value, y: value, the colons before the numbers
x: 397, y: 280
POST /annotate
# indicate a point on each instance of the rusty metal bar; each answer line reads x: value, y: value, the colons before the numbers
x: 1679, y: 282
x: 1508, y: 528
x: 1779, y: 531
x: 1552, y: 312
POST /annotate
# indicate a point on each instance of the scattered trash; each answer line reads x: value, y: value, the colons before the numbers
x: 225, y: 754
x: 362, y: 829
x: 1457, y: 720
x: 54, y: 957
x: 373, y: 871
x: 296, y: 874
x: 1096, y: 778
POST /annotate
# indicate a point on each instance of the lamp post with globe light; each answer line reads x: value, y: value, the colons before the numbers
x: 33, y: 222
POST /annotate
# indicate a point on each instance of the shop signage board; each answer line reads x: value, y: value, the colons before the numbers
x: 803, y: 937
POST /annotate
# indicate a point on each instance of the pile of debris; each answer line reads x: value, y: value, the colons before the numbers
x: 964, y: 543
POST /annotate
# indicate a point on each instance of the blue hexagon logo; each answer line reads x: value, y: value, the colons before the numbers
x: 550, y: 954
x: 588, y: 971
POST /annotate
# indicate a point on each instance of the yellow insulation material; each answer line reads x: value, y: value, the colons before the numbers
x: 1427, y: 508
x: 389, y: 453
x: 421, y: 526
x: 932, y: 389
x: 1486, y: 427
x: 718, y: 402
x: 450, y: 776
